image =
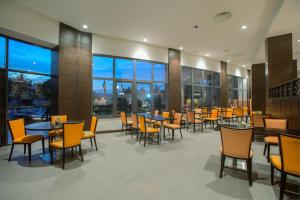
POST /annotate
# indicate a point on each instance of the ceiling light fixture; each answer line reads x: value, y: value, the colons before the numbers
x: 298, y: 40
x: 228, y: 61
x: 244, y: 27
x: 145, y: 40
x: 207, y: 55
x: 180, y: 48
x: 84, y: 26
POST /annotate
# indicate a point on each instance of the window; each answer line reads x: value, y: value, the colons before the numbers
x: 159, y: 72
x: 207, y: 81
x: 197, y: 76
x: 197, y: 96
x: 29, y: 95
x: 124, y: 69
x: 124, y: 97
x: 103, y: 66
x: 237, y: 91
x: 143, y: 97
x: 103, y: 97
x: 27, y: 57
x: 187, y: 97
x: 143, y: 71
x: 216, y: 97
x: 216, y: 77
x: 159, y: 96
x: 206, y: 100
x: 187, y: 75
x: 2, y: 52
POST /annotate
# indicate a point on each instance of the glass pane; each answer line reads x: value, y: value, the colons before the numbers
x: 216, y: 97
x: 197, y: 76
x: 2, y: 51
x: 187, y: 97
x: 124, y: 97
x: 245, y: 84
x: 235, y: 98
x: 159, y: 96
x: 28, y: 95
x: 234, y: 81
x: 207, y: 78
x: 245, y: 98
x: 143, y: 92
x: 240, y: 103
x: 143, y: 71
x: 27, y: 57
x: 197, y: 96
x: 187, y: 75
x: 159, y: 72
x: 229, y: 81
x: 124, y: 68
x: 103, y: 97
x: 240, y: 83
x: 216, y: 79
x: 103, y: 67
x: 206, y: 101
x: 230, y: 98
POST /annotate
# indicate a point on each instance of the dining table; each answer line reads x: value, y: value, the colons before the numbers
x: 43, y: 128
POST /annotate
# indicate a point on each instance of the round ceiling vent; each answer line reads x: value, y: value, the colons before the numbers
x: 222, y: 16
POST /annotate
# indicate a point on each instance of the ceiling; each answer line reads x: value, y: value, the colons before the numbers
x: 170, y: 23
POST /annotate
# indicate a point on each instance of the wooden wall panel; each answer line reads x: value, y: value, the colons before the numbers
x: 174, y: 80
x: 258, y: 87
x: 224, y: 90
x: 74, y: 73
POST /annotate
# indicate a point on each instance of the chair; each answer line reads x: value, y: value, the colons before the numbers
x: 229, y: 115
x: 288, y: 162
x: 72, y: 133
x: 237, y: 144
x: 258, y: 120
x: 246, y: 113
x: 239, y: 114
x: 135, y: 125
x: 214, y: 117
x: 273, y: 140
x: 191, y: 120
x: 147, y: 131
x: 175, y: 125
x: 91, y: 134
x: 127, y: 124
x: 56, y: 119
x: 18, y: 134
x: 164, y: 114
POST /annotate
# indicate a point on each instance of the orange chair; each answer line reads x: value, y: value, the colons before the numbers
x: 147, y: 131
x: 191, y: 120
x: 288, y: 162
x: 164, y: 114
x: 91, y: 134
x: 56, y: 119
x: 273, y: 140
x: 72, y: 133
x: 214, y: 117
x: 18, y: 134
x: 135, y: 125
x: 127, y: 124
x: 237, y: 144
x: 258, y: 120
x: 175, y: 125
x: 239, y: 114
x: 229, y: 115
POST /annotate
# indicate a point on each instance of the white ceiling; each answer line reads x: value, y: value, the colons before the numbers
x: 170, y: 23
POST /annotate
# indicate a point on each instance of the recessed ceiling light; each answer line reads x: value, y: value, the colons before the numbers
x: 298, y: 40
x: 145, y: 40
x: 84, y: 26
x: 207, y: 55
x: 244, y: 27
x: 180, y: 48
x: 228, y: 61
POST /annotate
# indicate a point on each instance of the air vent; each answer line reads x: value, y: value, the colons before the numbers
x: 222, y: 16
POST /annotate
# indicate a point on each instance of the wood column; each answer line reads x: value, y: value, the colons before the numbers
x: 75, y: 74
x: 258, y: 87
x: 174, y: 80
x: 224, y: 89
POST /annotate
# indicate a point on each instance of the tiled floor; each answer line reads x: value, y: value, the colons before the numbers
x: 186, y: 168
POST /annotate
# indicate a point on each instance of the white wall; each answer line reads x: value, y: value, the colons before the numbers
x: 201, y: 62
x: 237, y: 71
x: 125, y: 48
x: 24, y: 21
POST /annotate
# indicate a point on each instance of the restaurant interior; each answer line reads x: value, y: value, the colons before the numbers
x: 169, y: 99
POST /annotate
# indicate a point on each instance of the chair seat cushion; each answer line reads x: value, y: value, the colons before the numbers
x: 54, y: 133
x: 151, y: 130
x: 87, y: 134
x: 276, y: 162
x: 271, y: 140
x: 236, y: 155
x: 57, y: 144
x: 27, y: 139
x: 172, y: 126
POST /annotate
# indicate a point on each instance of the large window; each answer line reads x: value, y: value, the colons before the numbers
x: 201, y: 88
x: 130, y: 85
x: 2, y: 52
x: 27, y: 57
x: 237, y: 91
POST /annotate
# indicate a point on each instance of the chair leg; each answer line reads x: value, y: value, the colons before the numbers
x: 268, y: 153
x: 180, y: 133
x: 95, y: 143
x: 222, y: 165
x: 43, y: 144
x: 49, y: 143
x: 272, y: 174
x: 80, y: 151
x: 11, y: 151
x: 265, y: 149
x: 282, y: 185
x: 63, y: 158
x: 145, y: 138
x: 172, y: 134
x: 29, y: 152
x: 158, y: 138
x: 249, y: 170
x: 24, y: 148
x: 72, y: 150
x: 194, y: 127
